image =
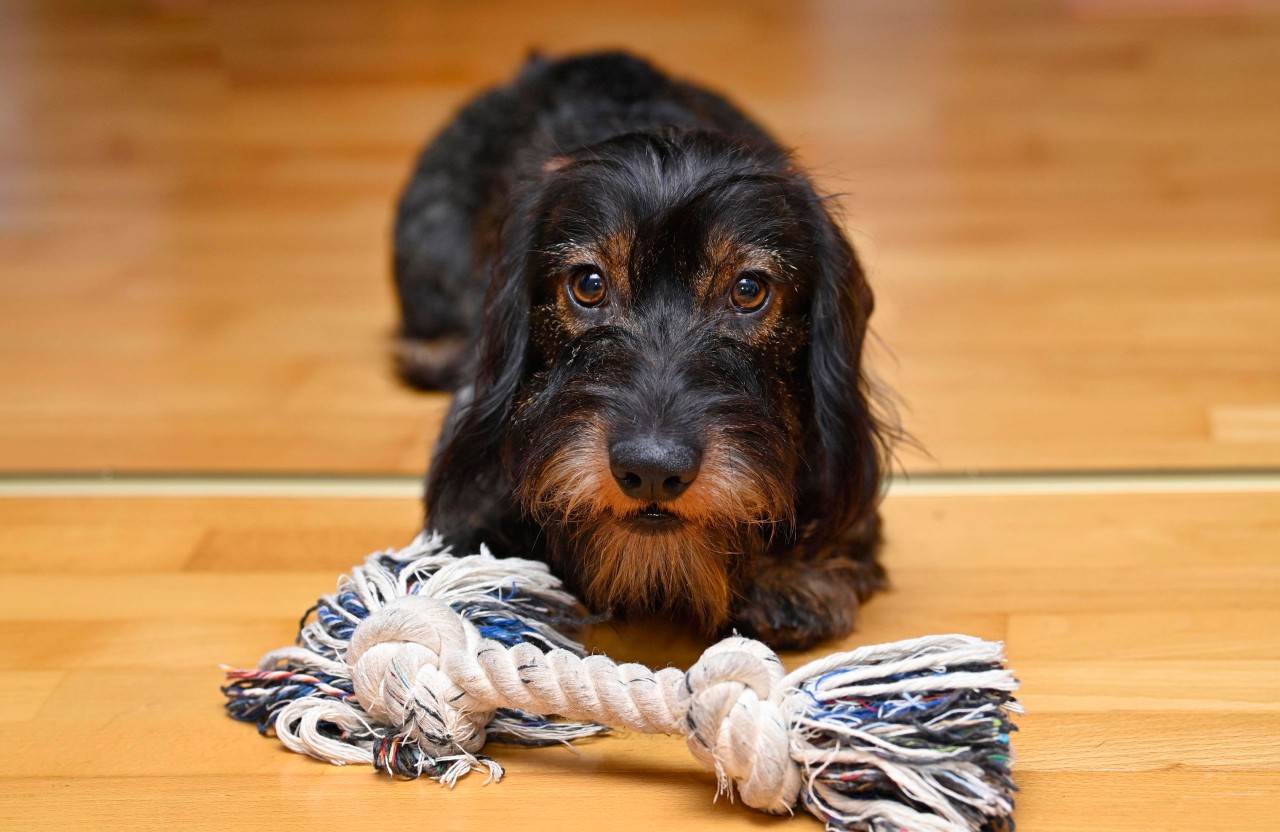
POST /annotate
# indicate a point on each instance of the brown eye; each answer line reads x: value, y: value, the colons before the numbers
x: 749, y: 293
x: 587, y: 285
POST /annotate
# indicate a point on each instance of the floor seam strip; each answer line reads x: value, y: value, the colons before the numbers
x: 410, y: 487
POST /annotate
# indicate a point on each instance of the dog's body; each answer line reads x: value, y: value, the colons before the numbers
x: 660, y: 393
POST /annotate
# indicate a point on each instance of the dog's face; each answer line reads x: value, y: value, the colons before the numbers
x: 670, y: 370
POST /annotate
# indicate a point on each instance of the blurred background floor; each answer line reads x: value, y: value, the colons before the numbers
x: 1070, y: 212
x: 1071, y: 217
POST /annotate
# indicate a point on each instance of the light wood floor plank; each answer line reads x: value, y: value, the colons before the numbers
x: 1184, y: 800
x: 1180, y: 799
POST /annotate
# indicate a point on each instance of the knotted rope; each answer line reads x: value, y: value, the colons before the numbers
x: 417, y: 650
x: 434, y: 654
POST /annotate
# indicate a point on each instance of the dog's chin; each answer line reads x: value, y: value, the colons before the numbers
x: 653, y: 560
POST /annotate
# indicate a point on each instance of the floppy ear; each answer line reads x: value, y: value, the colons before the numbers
x: 845, y: 444
x: 466, y: 481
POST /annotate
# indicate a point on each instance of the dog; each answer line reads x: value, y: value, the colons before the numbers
x: 655, y: 329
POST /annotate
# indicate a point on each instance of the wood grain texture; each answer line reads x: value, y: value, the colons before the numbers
x: 1150, y: 656
x: 1070, y: 216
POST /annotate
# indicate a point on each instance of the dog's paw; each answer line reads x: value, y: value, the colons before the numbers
x: 431, y: 363
x: 793, y: 606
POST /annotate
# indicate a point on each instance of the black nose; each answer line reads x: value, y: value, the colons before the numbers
x: 654, y: 468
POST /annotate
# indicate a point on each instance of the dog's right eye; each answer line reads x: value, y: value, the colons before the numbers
x: 587, y: 286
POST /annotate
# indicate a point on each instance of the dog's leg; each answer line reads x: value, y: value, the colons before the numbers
x: 792, y: 601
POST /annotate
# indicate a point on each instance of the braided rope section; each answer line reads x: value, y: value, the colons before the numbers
x: 417, y: 651
x: 911, y: 735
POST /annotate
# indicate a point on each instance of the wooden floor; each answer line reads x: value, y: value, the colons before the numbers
x: 1145, y: 629
x: 1071, y: 214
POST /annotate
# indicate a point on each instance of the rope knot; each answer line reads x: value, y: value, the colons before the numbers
x: 736, y: 724
x: 395, y: 656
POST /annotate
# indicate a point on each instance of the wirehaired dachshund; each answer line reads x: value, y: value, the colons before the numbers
x: 654, y: 328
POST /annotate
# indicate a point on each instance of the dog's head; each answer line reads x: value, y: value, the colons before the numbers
x: 669, y: 377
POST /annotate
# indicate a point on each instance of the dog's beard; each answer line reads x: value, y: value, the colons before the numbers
x: 617, y: 562
x: 686, y: 569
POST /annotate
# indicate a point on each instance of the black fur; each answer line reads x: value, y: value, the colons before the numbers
x: 605, y: 152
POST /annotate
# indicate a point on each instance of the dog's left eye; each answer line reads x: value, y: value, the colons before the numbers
x: 749, y: 293
x: 588, y: 287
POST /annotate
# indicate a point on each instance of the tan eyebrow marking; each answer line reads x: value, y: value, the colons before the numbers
x: 727, y: 258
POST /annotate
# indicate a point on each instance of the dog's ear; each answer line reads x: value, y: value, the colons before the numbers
x: 467, y: 472
x: 845, y: 447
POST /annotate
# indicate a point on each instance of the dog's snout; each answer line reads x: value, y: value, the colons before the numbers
x: 654, y: 468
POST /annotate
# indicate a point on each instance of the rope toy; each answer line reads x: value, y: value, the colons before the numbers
x: 419, y: 657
